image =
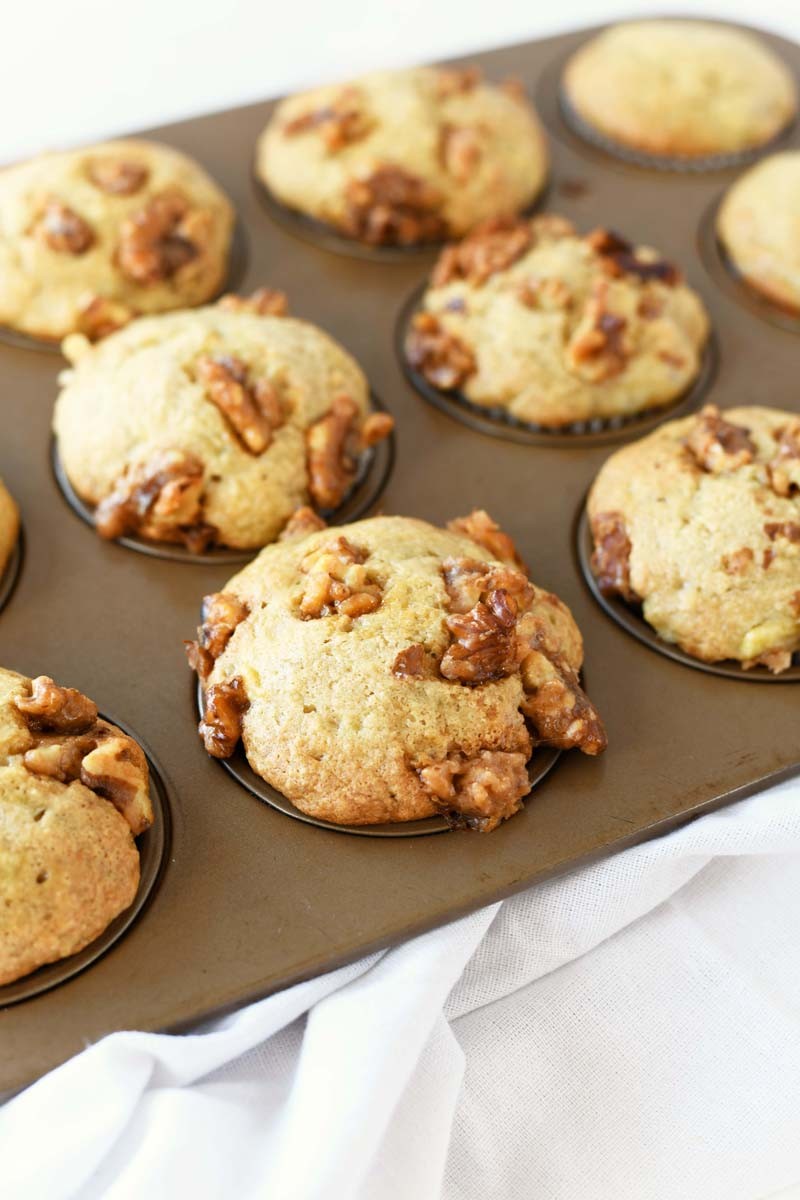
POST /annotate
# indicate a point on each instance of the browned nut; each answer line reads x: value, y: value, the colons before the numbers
x: 460, y: 150
x: 161, y: 238
x: 478, y: 792
x: 492, y: 246
x: 301, y: 523
x: 63, y: 230
x: 558, y: 708
x: 599, y: 347
x: 159, y: 499
x: 440, y: 356
x: 117, y: 176
x: 338, y: 581
x: 784, y: 470
x: 221, y: 726
x: 718, y: 445
x: 99, y: 316
x: 331, y: 452
x: 53, y: 709
x: 620, y: 257
x: 264, y: 302
x: 225, y: 379
x: 611, y: 556
x: 340, y: 123
x: 223, y: 612
x: 480, y: 527
x: 117, y: 770
x: 485, y: 645
x: 393, y: 207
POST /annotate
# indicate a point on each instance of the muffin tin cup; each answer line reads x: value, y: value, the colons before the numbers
x: 237, y: 271
x: 498, y: 423
x: 153, y: 846
x: 542, y: 762
x: 634, y: 623
x: 373, y: 475
x: 11, y: 572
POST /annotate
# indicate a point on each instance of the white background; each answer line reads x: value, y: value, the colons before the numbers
x: 80, y: 69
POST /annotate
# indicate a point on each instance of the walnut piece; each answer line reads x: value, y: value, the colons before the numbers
x: 301, y: 523
x: 159, y: 499
x: 117, y: 770
x: 611, y: 556
x: 333, y: 446
x: 790, y: 530
x: 620, y: 257
x: 161, y: 238
x: 443, y: 359
x: 393, y: 207
x: 264, y: 302
x: 460, y: 150
x: 222, y: 613
x: 784, y: 469
x: 599, y: 348
x: 48, y: 708
x: 412, y: 663
x: 100, y: 315
x: 549, y: 294
x: 480, y: 527
x: 63, y: 230
x: 485, y: 645
x: 456, y: 81
x: 492, y: 246
x: 468, y: 580
x: 557, y: 707
x: 718, y: 445
x: 253, y: 410
x: 339, y: 123
x: 739, y: 561
x: 221, y: 726
x: 117, y: 176
x: 338, y: 582
x: 479, y: 792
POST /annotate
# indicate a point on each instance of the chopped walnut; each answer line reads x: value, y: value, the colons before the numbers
x: 161, y: 238
x: 492, y: 246
x: 790, y: 530
x: 486, y: 645
x: 63, y: 230
x: 479, y: 792
x: 333, y: 444
x: 393, y: 207
x: 117, y: 770
x: 550, y: 293
x: 253, y: 410
x: 468, y: 580
x: 480, y: 527
x: 460, y: 150
x: 376, y: 427
x: 301, y: 523
x: 455, y: 81
x: 264, y: 302
x: 718, y: 445
x: 557, y: 707
x: 784, y: 469
x: 159, y: 499
x: 412, y: 663
x: 222, y: 613
x: 599, y: 347
x: 59, y: 757
x: 49, y: 708
x: 117, y: 176
x: 221, y: 726
x: 738, y: 562
x: 611, y: 556
x: 340, y: 123
x: 620, y: 257
x: 338, y: 582
x: 444, y: 360
x: 100, y: 316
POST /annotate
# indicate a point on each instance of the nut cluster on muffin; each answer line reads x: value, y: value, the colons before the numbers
x: 211, y: 426
x: 389, y: 670
x: 9, y: 526
x: 74, y: 793
x: 680, y: 89
x: 91, y: 237
x: 699, y: 523
x: 555, y: 328
x: 405, y: 157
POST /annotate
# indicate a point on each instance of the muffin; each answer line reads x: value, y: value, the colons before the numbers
x: 9, y: 527
x: 389, y: 670
x: 74, y: 794
x: 683, y: 89
x: 699, y: 523
x: 403, y: 157
x: 759, y: 227
x: 210, y: 427
x: 91, y: 237
x: 552, y: 328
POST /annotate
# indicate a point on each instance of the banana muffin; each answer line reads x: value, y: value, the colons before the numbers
x: 210, y: 427
x: 699, y: 523
x: 759, y: 227
x: 91, y: 237
x: 389, y: 670
x: 9, y: 526
x: 74, y: 793
x: 683, y: 89
x: 404, y: 157
x: 554, y: 328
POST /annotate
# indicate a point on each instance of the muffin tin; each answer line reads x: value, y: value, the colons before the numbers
x: 249, y: 901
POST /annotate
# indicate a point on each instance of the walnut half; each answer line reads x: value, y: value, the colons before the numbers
x: 391, y: 206
x: 252, y: 408
x: 477, y: 792
x: 161, y: 238
x: 159, y: 499
x: 222, y: 613
x: 53, y: 709
x: 221, y: 726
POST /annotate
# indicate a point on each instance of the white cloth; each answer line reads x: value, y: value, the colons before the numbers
x: 628, y: 1032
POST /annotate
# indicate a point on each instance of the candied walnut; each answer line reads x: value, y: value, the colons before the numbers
x: 599, y: 347
x: 376, y: 427
x: 782, y: 529
x: 160, y: 238
x: 117, y: 770
x: 440, y: 356
x: 718, y: 445
x: 468, y: 580
x: 338, y: 582
x: 739, y: 562
x: 221, y: 726
x: 393, y: 207
x: 301, y: 523
x: 254, y: 411
x: 784, y: 469
x: 485, y: 645
x: 59, y: 758
x: 159, y: 499
x: 222, y: 613
x: 557, y: 706
x: 492, y: 246
x: 49, y: 708
x: 63, y: 230
x: 550, y: 293
x: 339, y: 123
x: 479, y: 792
x: 100, y: 315
x: 412, y: 663
x: 611, y: 556
x: 117, y: 176
x: 333, y: 444
x: 460, y: 150
x: 264, y: 302
x: 455, y: 81
x: 480, y: 527
x: 620, y: 257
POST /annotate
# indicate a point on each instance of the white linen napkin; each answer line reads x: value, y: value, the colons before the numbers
x: 628, y: 1032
